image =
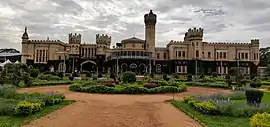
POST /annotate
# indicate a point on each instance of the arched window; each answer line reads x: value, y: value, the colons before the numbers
x: 197, y: 53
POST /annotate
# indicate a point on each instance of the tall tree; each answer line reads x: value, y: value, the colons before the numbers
x: 264, y: 56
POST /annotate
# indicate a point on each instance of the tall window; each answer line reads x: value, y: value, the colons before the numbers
x: 184, y: 54
x: 37, y: 54
x: 220, y: 55
x: 176, y: 54
x: 224, y: 55
x: 179, y: 53
x: 242, y: 55
x: 246, y: 55
x: 197, y: 53
x: 40, y: 55
x: 217, y: 55
x: 165, y: 55
x: 158, y: 55
x: 209, y: 54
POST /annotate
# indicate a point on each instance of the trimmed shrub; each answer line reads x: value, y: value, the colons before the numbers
x: 165, y: 77
x: 99, y: 75
x: 60, y: 75
x: 254, y: 97
x: 34, y: 73
x: 128, y: 77
x: 48, y: 77
x: 260, y: 120
x: 25, y: 108
x: 189, y: 77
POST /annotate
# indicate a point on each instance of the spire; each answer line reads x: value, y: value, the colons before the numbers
x: 25, y: 34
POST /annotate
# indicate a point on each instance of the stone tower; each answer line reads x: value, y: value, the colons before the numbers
x: 25, y: 37
x: 150, y: 21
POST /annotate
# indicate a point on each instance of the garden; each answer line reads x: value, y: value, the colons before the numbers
x: 128, y: 84
x: 18, y: 108
x: 241, y: 108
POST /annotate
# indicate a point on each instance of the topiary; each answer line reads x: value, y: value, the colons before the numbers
x: 189, y: 77
x: 128, y: 77
x: 34, y: 73
x: 99, y: 75
x: 254, y: 97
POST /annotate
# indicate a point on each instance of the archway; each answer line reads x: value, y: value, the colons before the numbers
x: 61, y: 67
x: 133, y: 67
x: 142, y: 68
x: 88, y: 65
x: 124, y: 67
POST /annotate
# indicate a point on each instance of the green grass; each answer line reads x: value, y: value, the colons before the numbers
x: 12, y: 121
x: 211, y: 121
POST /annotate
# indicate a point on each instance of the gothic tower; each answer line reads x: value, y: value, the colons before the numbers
x: 150, y: 21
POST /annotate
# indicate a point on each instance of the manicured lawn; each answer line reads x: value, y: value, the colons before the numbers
x: 211, y: 121
x: 12, y: 121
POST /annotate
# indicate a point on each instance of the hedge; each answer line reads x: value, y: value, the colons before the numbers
x: 260, y: 120
x: 131, y: 89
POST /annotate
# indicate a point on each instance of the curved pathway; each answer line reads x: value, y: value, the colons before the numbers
x: 100, y: 110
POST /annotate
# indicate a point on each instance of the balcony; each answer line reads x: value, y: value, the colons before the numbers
x: 131, y: 55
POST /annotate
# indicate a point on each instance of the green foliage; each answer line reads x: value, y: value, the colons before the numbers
x: 49, y: 77
x: 25, y: 108
x: 34, y: 73
x: 165, y: 77
x: 128, y: 77
x: 136, y: 88
x: 260, y: 120
x: 21, y: 104
x: 254, y: 97
x: 189, y: 77
x: 211, y: 120
x: 214, y: 85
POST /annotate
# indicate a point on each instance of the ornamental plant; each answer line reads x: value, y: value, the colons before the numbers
x: 128, y: 77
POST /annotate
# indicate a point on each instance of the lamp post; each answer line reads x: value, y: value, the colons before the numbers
x: 119, y: 45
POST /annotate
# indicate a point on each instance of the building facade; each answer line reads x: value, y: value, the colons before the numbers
x: 192, y: 55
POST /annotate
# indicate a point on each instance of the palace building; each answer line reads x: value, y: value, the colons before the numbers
x: 192, y: 55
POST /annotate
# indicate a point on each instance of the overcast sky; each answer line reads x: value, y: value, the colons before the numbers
x: 222, y: 20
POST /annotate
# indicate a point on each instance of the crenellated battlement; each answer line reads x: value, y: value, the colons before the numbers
x: 227, y: 44
x: 46, y: 41
x: 103, y: 38
x: 194, y: 34
x: 74, y: 38
x: 255, y: 41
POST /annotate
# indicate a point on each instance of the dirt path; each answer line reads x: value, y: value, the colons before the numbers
x: 97, y: 110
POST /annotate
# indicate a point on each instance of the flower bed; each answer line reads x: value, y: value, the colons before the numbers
x: 213, y: 85
x: 128, y: 88
x: 24, y: 104
x: 226, y: 105
x: 48, y: 83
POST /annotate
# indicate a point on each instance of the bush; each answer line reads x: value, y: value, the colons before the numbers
x: 60, y: 75
x: 165, y: 77
x: 128, y: 77
x: 127, y: 89
x: 112, y: 76
x: 99, y: 75
x: 254, y: 97
x: 260, y: 120
x: 189, y: 78
x: 48, y: 77
x: 25, y: 108
x: 34, y: 73
x: 71, y: 77
x: 88, y: 74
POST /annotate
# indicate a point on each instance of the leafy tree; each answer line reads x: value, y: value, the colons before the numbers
x: 264, y: 56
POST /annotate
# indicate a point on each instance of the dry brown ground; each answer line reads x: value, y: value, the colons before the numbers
x: 99, y: 110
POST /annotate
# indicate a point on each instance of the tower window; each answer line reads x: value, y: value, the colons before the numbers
x: 165, y: 55
x: 184, y: 54
x: 197, y: 53
x: 209, y: 54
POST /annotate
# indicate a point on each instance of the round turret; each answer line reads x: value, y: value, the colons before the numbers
x: 150, y: 18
